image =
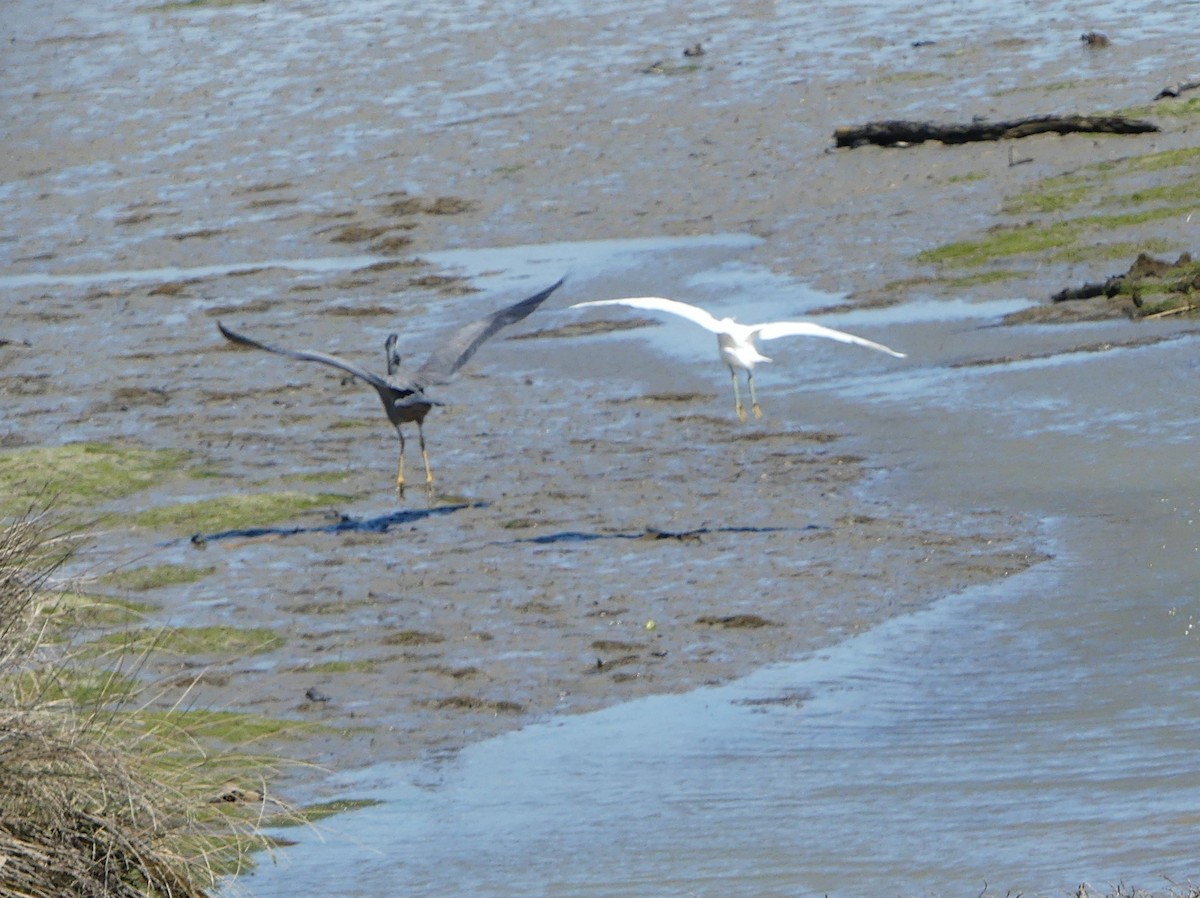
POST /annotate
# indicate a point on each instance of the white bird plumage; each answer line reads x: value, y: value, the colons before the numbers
x: 737, y: 342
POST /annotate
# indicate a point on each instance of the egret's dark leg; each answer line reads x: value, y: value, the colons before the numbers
x: 753, y: 399
x: 737, y: 395
x: 400, y: 470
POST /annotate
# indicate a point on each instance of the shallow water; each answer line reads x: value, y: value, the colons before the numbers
x: 186, y: 117
x: 1028, y: 734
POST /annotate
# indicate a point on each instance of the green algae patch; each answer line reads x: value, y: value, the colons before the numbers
x: 237, y: 512
x: 314, y: 812
x: 1169, y: 108
x: 1171, y: 192
x: 1001, y: 242
x: 72, y: 610
x: 978, y: 279
x: 109, y: 794
x: 187, y: 641
x: 474, y: 703
x: 81, y: 473
x: 318, y: 477
x: 82, y: 687
x: 1131, y: 219
x: 359, y: 665
x: 412, y: 637
x: 228, y: 727
x: 141, y: 579
x: 968, y: 177
x: 1095, y: 252
x: 1097, y: 212
x: 1051, y: 195
x: 351, y: 424
x: 1152, y: 162
x: 1062, y: 192
x: 1059, y: 239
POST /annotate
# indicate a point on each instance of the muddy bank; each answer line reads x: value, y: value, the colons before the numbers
x: 1150, y: 288
x: 587, y: 490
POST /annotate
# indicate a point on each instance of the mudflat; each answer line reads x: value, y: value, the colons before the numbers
x: 602, y: 527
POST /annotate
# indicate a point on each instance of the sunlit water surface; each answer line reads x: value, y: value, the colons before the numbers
x: 1026, y: 734
x: 1029, y: 734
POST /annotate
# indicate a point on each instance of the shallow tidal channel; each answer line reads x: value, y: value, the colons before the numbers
x: 1026, y: 734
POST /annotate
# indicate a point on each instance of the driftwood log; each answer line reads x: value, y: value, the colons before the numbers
x: 1109, y: 288
x: 1175, y: 90
x: 900, y: 133
x: 1178, y: 276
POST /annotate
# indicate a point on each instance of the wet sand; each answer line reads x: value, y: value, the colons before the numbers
x: 586, y: 489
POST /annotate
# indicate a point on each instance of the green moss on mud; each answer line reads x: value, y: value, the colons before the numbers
x: 235, y: 512
x: 968, y: 177
x: 1000, y: 243
x: 1072, y: 217
x: 229, y: 727
x: 72, y: 610
x: 1054, y: 239
x: 187, y: 641
x: 314, y: 812
x: 1100, y: 251
x: 83, y: 687
x: 1171, y: 108
x: 358, y: 665
x: 81, y: 473
x: 140, y: 579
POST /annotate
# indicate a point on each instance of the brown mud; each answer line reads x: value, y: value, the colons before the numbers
x: 603, y: 528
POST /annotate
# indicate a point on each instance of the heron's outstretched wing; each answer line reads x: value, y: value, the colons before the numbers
x: 660, y: 304
x: 307, y: 356
x: 777, y: 329
x: 457, y: 351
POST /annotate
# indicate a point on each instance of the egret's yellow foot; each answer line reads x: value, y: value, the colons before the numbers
x: 741, y: 413
x: 757, y: 410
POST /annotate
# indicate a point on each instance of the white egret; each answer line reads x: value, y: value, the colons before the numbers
x: 736, y: 342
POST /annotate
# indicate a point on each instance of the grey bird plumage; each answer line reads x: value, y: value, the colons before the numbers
x: 402, y: 391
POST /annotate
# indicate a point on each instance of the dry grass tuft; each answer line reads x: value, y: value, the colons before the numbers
x: 98, y: 797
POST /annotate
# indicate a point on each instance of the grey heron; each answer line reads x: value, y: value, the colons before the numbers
x: 402, y: 391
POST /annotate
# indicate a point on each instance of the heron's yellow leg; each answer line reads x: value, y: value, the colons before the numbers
x: 400, y: 468
x: 425, y: 458
x: 737, y: 396
x: 753, y: 399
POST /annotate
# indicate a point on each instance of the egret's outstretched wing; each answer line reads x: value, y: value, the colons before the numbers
x: 777, y: 329
x: 307, y: 356
x: 659, y: 304
x: 457, y: 351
